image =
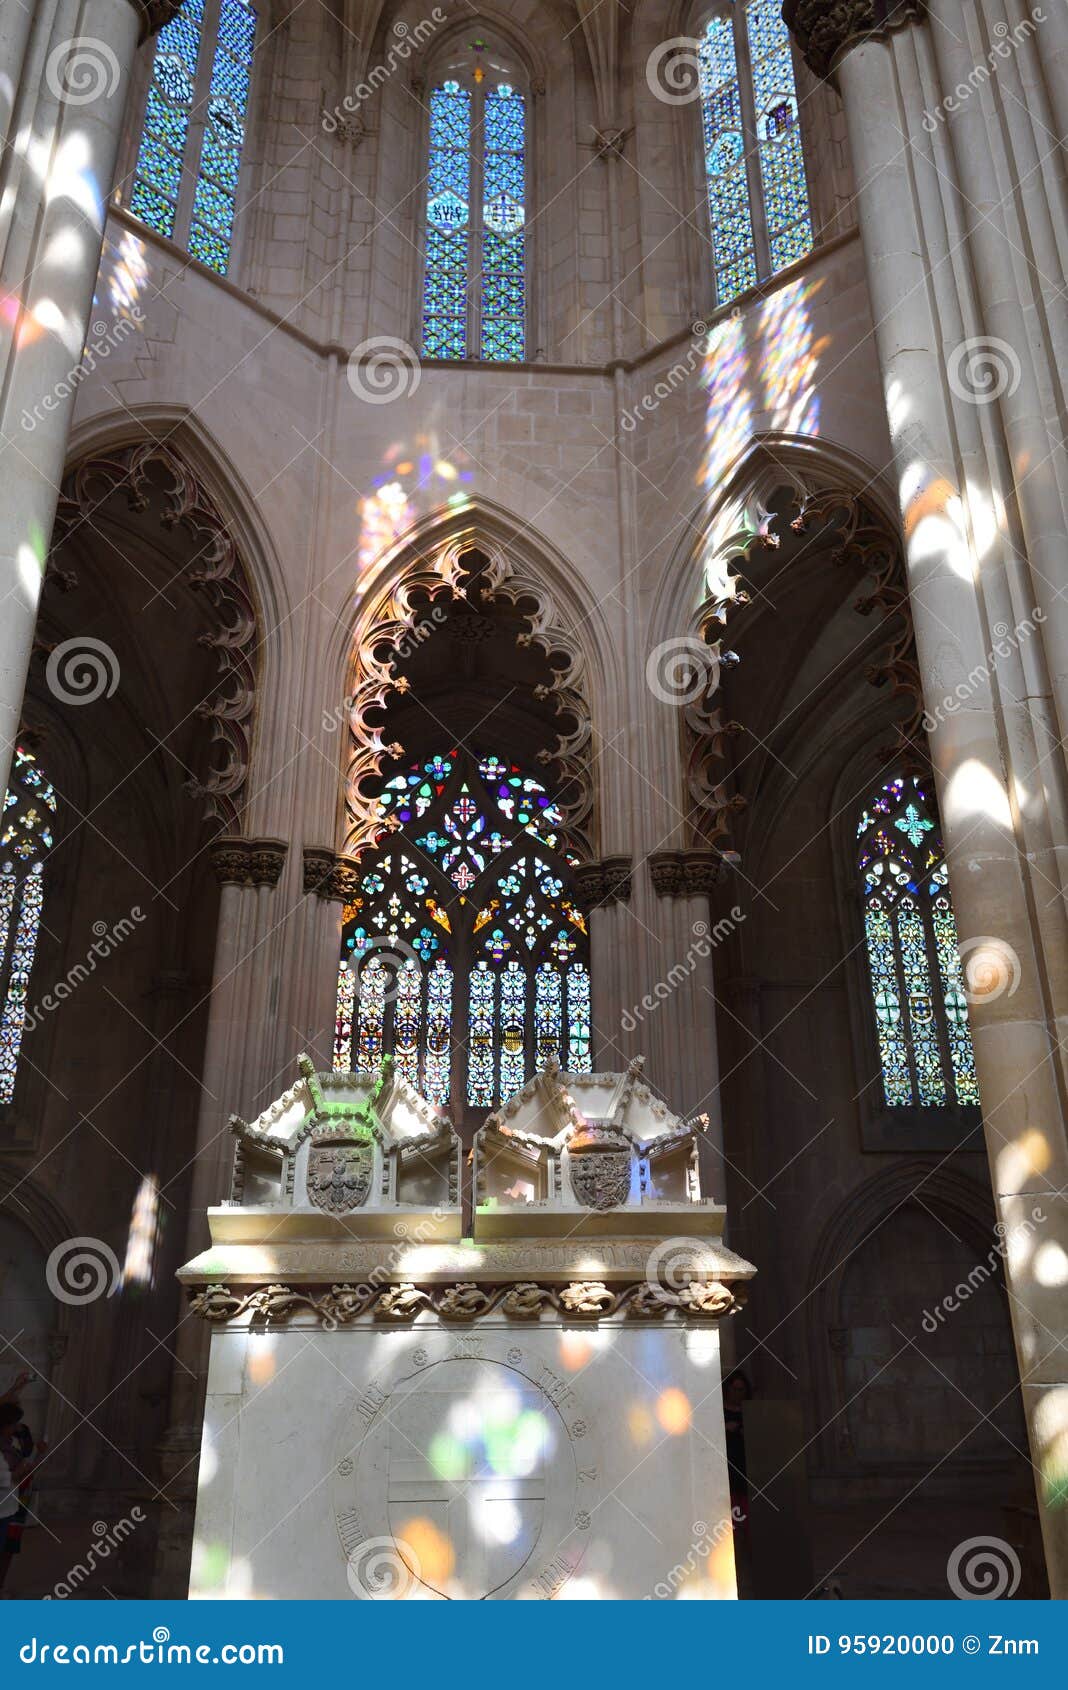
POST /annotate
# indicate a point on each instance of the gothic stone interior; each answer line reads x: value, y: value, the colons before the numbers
x: 541, y: 575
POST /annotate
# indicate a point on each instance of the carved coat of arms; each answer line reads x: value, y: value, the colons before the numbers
x: 339, y: 1176
x: 601, y: 1178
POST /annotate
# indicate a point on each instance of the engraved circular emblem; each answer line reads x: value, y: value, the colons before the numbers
x: 467, y: 1466
x: 420, y: 1358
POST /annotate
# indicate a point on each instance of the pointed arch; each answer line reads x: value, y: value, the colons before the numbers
x: 426, y: 568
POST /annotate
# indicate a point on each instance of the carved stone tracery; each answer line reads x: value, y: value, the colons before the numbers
x: 390, y: 628
x: 151, y: 474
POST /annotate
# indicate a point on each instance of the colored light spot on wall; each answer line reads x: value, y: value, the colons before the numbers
x: 673, y: 1411
x: 640, y: 1425
x: 575, y: 1350
x: 426, y: 1550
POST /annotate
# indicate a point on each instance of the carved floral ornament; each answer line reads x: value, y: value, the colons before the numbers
x: 852, y: 533
x: 826, y: 29
x: 247, y: 862
x: 464, y: 1302
x: 151, y: 475
x: 390, y: 628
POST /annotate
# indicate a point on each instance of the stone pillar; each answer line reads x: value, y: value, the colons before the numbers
x: 961, y: 192
x: 604, y: 889
x: 64, y: 74
x: 237, y: 1059
x: 679, y: 1009
x: 329, y: 883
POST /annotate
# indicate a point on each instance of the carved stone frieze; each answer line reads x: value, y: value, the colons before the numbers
x: 338, y: 1305
x: 825, y: 29
x: 247, y: 862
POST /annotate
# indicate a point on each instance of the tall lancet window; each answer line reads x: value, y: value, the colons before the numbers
x: 474, y: 285
x: 26, y: 837
x: 754, y: 165
x: 185, y: 179
x: 917, y: 985
x: 464, y: 955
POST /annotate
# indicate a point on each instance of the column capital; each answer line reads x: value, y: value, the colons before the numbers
x: 247, y: 862
x: 825, y: 29
x: 329, y: 876
x: 685, y: 874
x: 153, y: 14
x: 603, y: 882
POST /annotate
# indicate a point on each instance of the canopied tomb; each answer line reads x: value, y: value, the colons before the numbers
x: 532, y: 1410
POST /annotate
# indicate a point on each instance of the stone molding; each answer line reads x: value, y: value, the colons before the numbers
x: 825, y: 29
x: 153, y: 14
x: 607, y: 881
x: 247, y: 862
x: 329, y: 876
x: 460, y: 1304
x: 685, y: 874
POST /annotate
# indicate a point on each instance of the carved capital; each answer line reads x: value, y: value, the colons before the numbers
x: 825, y: 29
x: 267, y: 861
x: 153, y: 14
x: 685, y: 874
x: 330, y: 876
x: 605, y: 882
x: 247, y: 862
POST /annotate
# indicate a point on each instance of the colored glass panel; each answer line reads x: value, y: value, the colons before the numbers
x: 448, y: 216
x: 918, y: 994
x: 160, y: 159
x: 730, y: 213
x: 480, y: 1063
x: 346, y: 994
x: 782, y: 163
x: 548, y: 1014
x: 503, y: 226
x: 438, y: 1062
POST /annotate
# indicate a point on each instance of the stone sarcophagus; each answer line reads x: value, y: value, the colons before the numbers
x: 399, y: 1408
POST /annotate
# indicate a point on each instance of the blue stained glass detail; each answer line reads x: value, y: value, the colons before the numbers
x: 782, y: 164
x: 165, y: 151
x: 445, y: 285
x: 158, y: 172
x: 729, y: 210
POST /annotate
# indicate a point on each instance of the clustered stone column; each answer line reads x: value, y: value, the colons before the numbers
x: 603, y: 888
x: 64, y: 74
x: 235, y: 1059
x: 955, y: 109
x: 680, y: 1008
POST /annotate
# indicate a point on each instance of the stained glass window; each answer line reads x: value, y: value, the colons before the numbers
x: 921, y: 1013
x: 474, y: 285
x: 464, y: 954
x: 185, y: 179
x: 754, y: 165
x: 26, y: 837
